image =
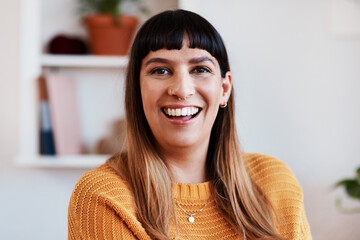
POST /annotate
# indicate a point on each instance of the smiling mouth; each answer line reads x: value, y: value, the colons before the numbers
x: 185, y: 113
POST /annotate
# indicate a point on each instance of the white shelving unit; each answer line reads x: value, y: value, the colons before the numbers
x: 27, y: 156
x: 67, y: 161
x: 33, y: 62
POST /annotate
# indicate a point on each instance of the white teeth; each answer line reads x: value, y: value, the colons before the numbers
x: 186, y: 111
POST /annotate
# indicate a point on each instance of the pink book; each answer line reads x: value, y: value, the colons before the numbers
x: 64, y: 114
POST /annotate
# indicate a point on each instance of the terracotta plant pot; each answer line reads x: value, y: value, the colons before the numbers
x: 107, y: 38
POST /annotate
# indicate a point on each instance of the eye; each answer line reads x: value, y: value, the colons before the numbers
x: 160, y: 71
x: 201, y: 69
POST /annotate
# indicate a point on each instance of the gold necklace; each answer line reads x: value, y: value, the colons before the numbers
x: 191, y: 215
x: 191, y: 218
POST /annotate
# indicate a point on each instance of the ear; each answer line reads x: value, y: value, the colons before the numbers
x: 226, y: 87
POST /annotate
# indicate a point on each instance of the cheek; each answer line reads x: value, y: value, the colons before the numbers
x: 146, y: 91
x: 213, y: 91
x: 149, y: 95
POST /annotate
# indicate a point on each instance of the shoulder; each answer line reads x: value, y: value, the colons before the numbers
x: 100, y: 179
x: 102, y: 196
x: 280, y: 186
x: 271, y: 174
x: 101, y: 185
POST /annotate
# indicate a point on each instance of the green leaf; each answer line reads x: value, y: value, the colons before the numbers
x: 353, y: 188
x: 343, y: 182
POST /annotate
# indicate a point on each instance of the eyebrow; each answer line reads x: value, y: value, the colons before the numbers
x: 156, y: 60
x: 200, y: 59
x: 191, y: 61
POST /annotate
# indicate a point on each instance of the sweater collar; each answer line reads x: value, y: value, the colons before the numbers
x: 191, y: 191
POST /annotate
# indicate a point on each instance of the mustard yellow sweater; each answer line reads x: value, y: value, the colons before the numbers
x: 102, y: 207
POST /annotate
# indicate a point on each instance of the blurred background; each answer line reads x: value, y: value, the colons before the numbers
x: 296, y: 73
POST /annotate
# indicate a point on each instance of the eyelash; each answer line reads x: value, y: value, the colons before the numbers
x: 202, y: 69
x: 158, y: 69
x: 198, y: 70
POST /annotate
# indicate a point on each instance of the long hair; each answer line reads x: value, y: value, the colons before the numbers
x: 241, y: 201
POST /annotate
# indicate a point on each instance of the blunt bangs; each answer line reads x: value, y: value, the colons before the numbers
x: 168, y: 29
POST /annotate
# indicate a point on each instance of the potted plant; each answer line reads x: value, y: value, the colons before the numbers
x: 110, y: 32
x: 352, y: 187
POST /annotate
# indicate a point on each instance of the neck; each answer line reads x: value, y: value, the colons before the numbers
x: 187, y: 165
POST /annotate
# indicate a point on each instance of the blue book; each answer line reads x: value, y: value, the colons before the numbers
x: 47, y: 146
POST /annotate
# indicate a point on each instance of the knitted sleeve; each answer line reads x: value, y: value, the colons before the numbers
x: 282, y: 189
x: 101, y: 222
x: 101, y: 207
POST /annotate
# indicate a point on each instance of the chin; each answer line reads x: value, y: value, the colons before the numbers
x: 178, y: 142
x: 181, y: 143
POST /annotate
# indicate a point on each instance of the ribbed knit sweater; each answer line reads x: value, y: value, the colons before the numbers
x: 102, y: 206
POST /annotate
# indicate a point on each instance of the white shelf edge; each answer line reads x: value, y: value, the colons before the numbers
x: 65, y: 161
x: 52, y: 60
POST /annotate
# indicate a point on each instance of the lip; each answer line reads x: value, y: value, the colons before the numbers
x: 180, y: 122
x: 179, y: 106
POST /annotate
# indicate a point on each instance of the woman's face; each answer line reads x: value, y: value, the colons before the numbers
x: 181, y: 92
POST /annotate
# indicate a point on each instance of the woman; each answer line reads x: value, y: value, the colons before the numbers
x: 183, y: 175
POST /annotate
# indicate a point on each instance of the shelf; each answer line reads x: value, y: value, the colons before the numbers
x: 66, y: 161
x: 51, y: 60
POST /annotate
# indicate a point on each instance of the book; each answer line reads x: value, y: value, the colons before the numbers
x: 64, y: 114
x: 46, y: 134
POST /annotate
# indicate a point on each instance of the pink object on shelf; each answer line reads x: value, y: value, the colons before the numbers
x: 64, y: 114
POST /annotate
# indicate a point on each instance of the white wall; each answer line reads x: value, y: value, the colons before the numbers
x: 297, y: 93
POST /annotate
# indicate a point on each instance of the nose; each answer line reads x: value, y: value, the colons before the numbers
x: 182, y: 86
